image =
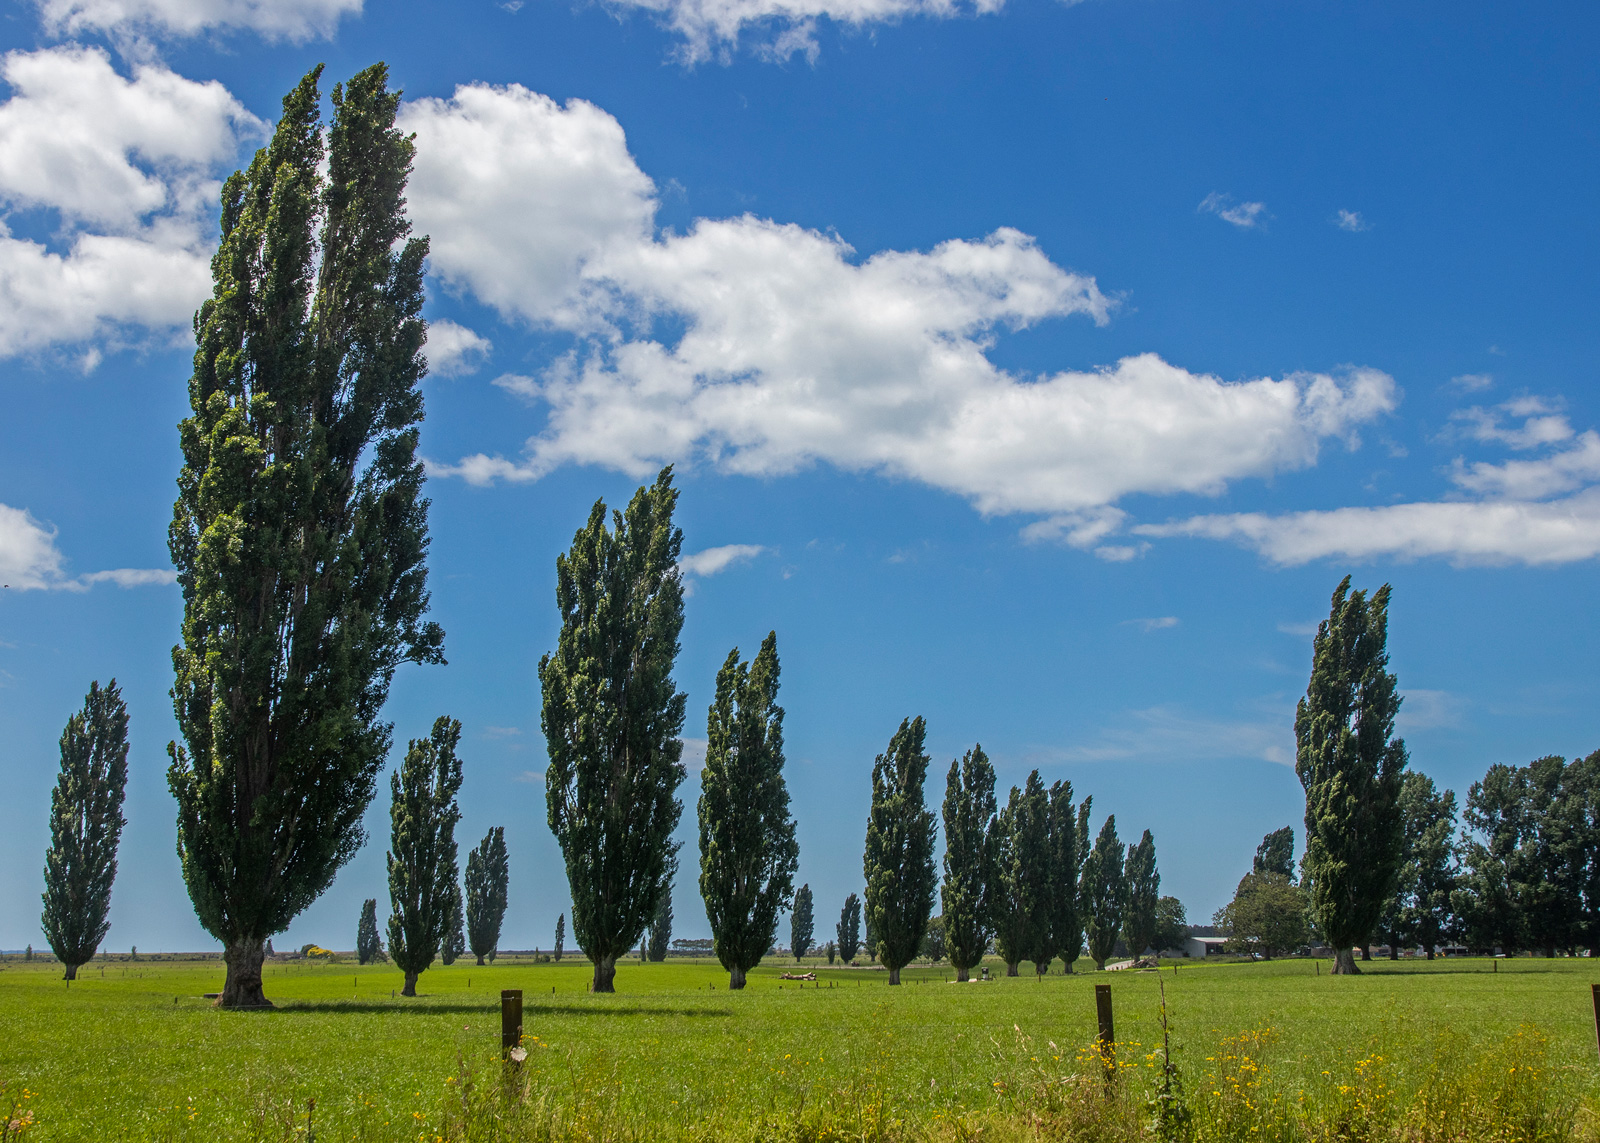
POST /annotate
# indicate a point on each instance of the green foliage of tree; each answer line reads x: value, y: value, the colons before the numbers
x: 1172, y: 925
x: 1143, y: 891
x: 1022, y: 883
x: 748, y: 851
x: 848, y: 931
x: 1431, y: 871
x: 969, y: 860
x: 934, y: 946
x: 424, y: 896
x: 1267, y: 916
x: 869, y: 941
x: 300, y: 530
x: 85, y: 827
x: 1102, y: 892
x: 455, y: 941
x: 368, y: 944
x: 831, y: 950
x: 1069, y: 846
x: 561, y: 936
x: 1531, y: 859
x: 898, y: 860
x: 612, y: 716
x: 802, y: 922
x: 1351, y: 769
x: 660, y: 933
x: 488, y: 889
x: 1275, y: 854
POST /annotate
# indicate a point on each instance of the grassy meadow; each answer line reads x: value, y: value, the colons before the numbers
x: 1412, y: 1050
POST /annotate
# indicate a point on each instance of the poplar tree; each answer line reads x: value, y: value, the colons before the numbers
x: 802, y: 922
x: 1430, y: 874
x: 1102, y: 891
x: 660, y: 936
x: 1275, y: 854
x: 424, y: 897
x: 1022, y: 890
x: 488, y: 878
x: 455, y: 941
x: 561, y: 935
x: 748, y: 851
x: 1069, y: 845
x: 848, y: 932
x: 368, y: 944
x: 611, y: 718
x: 85, y: 827
x: 969, y: 860
x: 1352, y: 770
x: 898, y: 860
x: 300, y: 529
x: 1142, y: 894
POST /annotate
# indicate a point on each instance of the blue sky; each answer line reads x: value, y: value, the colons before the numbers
x: 1037, y: 368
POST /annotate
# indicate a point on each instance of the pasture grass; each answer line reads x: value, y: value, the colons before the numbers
x: 1263, y: 1051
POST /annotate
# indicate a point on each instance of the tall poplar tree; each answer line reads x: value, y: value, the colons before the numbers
x: 85, y: 827
x: 1430, y: 874
x: 368, y: 943
x: 488, y: 884
x: 455, y: 941
x: 802, y: 922
x: 1142, y: 894
x: 1352, y: 769
x: 424, y: 897
x: 660, y: 934
x: 561, y: 936
x: 748, y: 851
x: 300, y: 529
x: 612, y: 716
x: 898, y: 861
x: 848, y: 931
x: 1022, y: 890
x: 1102, y: 892
x: 1275, y: 854
x: 1069, y: 845
x: 969, y: 860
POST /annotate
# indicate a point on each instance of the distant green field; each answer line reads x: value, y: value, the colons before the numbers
x: 135, y: 1052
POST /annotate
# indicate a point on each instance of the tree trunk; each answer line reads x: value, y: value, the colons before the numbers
x: 242, y: 987
x: 1344, y: 963
x: 735, y: 978
x: 480, y: 962
x: 1366, y: 952
x: 1394, y: 951
x: 1011, y: 968
x: 894, y: 976
x: 1430, y: 952
x: 962, y: 975
x: 71, y: 973
x: 1066, y: 966
x: 605, y: 974
x: 411, y: 984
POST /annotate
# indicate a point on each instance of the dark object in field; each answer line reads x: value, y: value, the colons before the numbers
x: 1107, y: 1039
x: 510, y: 1019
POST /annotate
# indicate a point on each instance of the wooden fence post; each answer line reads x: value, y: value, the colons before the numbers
x: 1594, y: 992
x: 1107, y: 1039
x: 510, y: 1019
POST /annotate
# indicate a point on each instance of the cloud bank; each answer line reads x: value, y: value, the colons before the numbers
x: 128, y: 167
x: 294, y: 20
x: 30, y: 560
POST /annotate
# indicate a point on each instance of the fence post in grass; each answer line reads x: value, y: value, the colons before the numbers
x: 1594, y: 992
x: 510, y: 1020
x: 1106, y: 1041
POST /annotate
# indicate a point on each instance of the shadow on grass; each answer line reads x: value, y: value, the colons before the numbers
x: 423, y: 1007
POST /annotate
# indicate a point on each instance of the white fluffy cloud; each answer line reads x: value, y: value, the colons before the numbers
x: 713, y: 560
x: 296, y: 20
x: 1492, y: 532
x: 30, y: 560
x: 1244, y: 215
x: 1352, y: 221
x: 788, y: 350
x: 128, y: 166
x: 454, y: 349
x: 778, y: 29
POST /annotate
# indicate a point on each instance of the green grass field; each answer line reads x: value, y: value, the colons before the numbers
x: 135, y: 1052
